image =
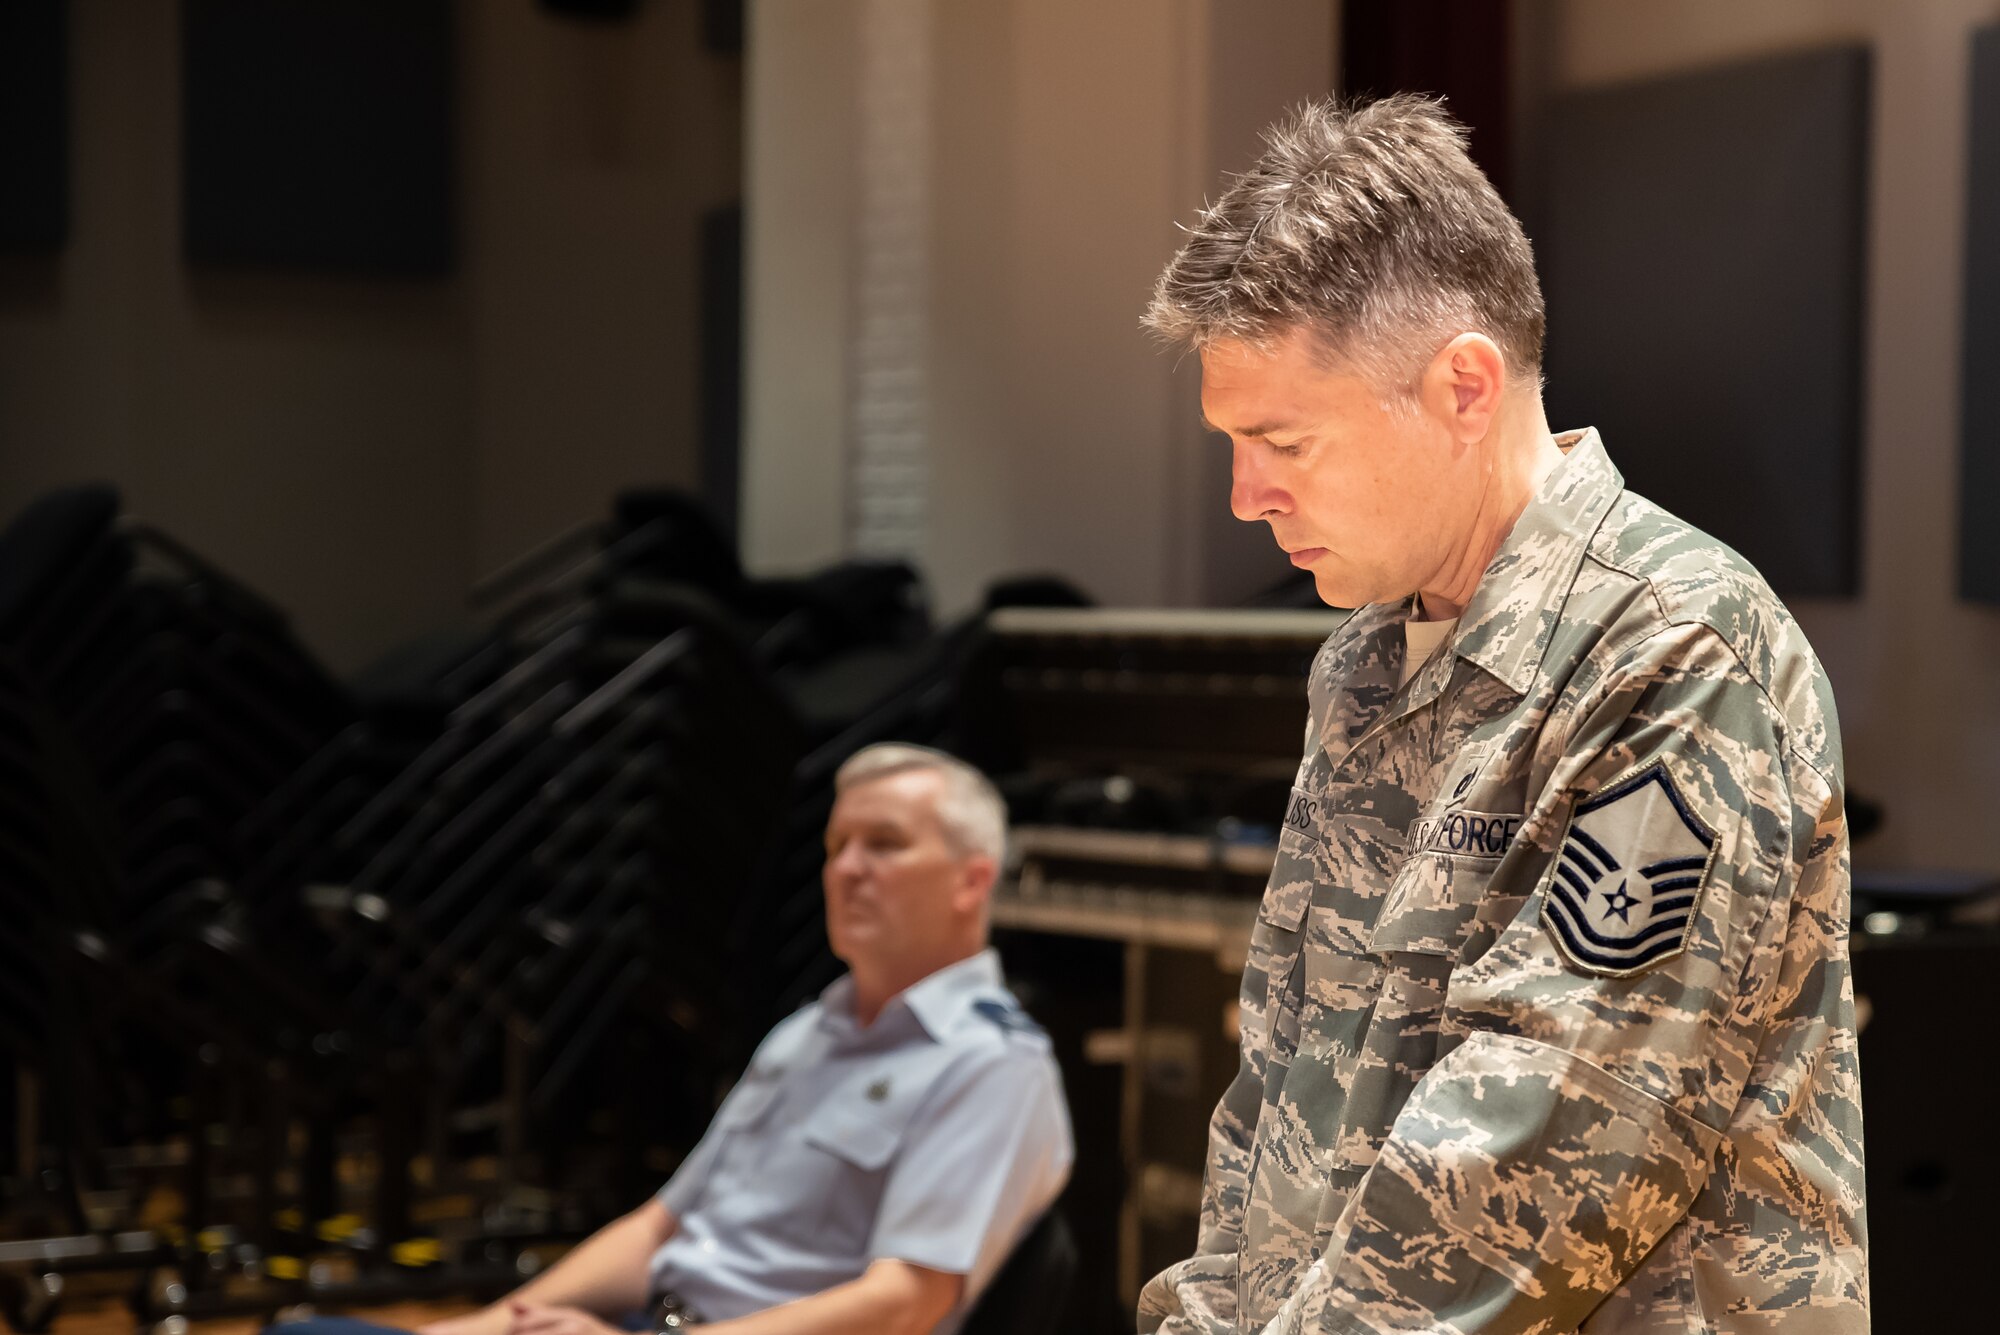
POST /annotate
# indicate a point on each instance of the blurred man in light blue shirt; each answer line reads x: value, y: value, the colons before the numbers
x: 889, y: 1144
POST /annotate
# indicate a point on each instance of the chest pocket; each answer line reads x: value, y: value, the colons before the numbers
x: 1437, y: 912
x: 1442, y: 905
x: 848, y: 1153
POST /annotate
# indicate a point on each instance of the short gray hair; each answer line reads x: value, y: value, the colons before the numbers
x: 969, y: 807
x: 1368, y: 225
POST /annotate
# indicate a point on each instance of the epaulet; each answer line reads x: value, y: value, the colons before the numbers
x: 1011, y: 1019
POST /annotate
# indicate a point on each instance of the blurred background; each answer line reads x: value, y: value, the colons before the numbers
x: 472, y: 468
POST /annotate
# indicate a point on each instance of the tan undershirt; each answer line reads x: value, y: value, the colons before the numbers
x: 1420, y: 640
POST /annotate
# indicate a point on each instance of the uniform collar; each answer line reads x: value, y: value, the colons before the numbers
x: 944, y: 998
x: 937, y: 1001
x: 1505, y: 629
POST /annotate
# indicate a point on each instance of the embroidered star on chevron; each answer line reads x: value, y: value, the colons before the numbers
x: 1623, y: 891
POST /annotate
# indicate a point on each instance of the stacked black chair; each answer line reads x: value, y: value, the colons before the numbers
x: 555, y: 867
x: 550, y: 869
x: 843, y: 657
x: 52, y: 1053
x: 151, y: 703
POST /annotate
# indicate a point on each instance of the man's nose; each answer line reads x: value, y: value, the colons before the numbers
x: 1252, y: 493
x: 844, y: 864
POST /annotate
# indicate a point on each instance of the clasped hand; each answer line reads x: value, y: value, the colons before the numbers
x: 514, y: 1317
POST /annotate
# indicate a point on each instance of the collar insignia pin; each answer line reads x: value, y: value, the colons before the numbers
x: 878, y: 1091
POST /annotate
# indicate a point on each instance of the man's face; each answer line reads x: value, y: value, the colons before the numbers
x: 896, y: 890
x: 1372, y: 503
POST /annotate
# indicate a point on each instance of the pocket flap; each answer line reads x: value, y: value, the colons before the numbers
x: 1286, y: 897
x: 866, y: 1142
x: 1431, y: 905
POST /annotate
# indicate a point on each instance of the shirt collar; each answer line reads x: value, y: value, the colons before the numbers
x: 940, y: 1000
x: 1505, y: 629
x: 937, y: 1000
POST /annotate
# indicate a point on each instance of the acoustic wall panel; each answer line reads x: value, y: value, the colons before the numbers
x: 34, y: 124
x: 1701, y: 247
x: 1979, y: 412
x: 318, y: 133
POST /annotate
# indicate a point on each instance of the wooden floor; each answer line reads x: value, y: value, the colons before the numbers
x: 108, y: 1316
x: 95, y: 1303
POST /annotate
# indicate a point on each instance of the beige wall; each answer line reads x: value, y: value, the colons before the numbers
x: 1056, y: 166
x: 261, y: 419
x: 1910, y: 664
x: 592, y: 151
x: 1067, y: 140
x: 359, y: 449
x: 1071, y: 140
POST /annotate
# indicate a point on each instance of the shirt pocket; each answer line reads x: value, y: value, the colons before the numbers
x: 1437, y: 910
x: 848, y: 1153
x: 1444, y: 906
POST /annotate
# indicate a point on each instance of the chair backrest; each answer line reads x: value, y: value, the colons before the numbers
x: 1028, y: 1295
x: 46, y: 541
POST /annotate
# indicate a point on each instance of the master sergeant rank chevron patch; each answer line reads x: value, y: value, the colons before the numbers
x: 1625, y: 886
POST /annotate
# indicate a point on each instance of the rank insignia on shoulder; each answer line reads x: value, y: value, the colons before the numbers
x: 1628, y: 878
x: 1009, y: 1018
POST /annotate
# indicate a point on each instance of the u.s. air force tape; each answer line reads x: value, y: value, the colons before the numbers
x: 1466, y: 834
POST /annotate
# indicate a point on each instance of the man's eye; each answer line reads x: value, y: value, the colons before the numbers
x: 1286, y: 451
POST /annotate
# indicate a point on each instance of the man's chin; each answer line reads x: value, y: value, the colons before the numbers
x: 843, y: 943
x: 1337, y: 593
x: 1349, y: 594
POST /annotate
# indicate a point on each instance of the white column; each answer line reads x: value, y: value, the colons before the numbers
x: 888, y: 472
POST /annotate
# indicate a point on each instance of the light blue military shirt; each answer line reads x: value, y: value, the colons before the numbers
x: 936, y: 1135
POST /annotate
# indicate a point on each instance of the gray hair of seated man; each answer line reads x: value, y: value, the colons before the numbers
x: 969, y: 807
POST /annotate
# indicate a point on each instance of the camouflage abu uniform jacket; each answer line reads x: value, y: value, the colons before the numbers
x: 1548, y: 1024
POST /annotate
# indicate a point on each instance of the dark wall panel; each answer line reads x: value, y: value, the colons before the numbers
x: 1701, y: 246
x: 34, y: 124
x: 1447, y: 48
x: 318, y: 133
x: 1979, y: 410
x: 721, y: 387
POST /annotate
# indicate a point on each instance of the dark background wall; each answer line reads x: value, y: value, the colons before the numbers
x: 360, y: 448
x: 1909, y: 660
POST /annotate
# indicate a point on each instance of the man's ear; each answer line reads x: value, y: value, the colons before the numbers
x: 976, y: 877
x: 1464, y: 383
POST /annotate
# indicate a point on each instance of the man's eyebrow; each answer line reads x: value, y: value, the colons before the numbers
x: 1254, y: 433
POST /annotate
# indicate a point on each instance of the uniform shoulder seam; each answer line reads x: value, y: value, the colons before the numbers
x: 1786, y: 733
x: 971, y: 1061
x: 1668, y: 621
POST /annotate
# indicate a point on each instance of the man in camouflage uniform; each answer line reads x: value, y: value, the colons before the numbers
x: 1548, y: 1023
